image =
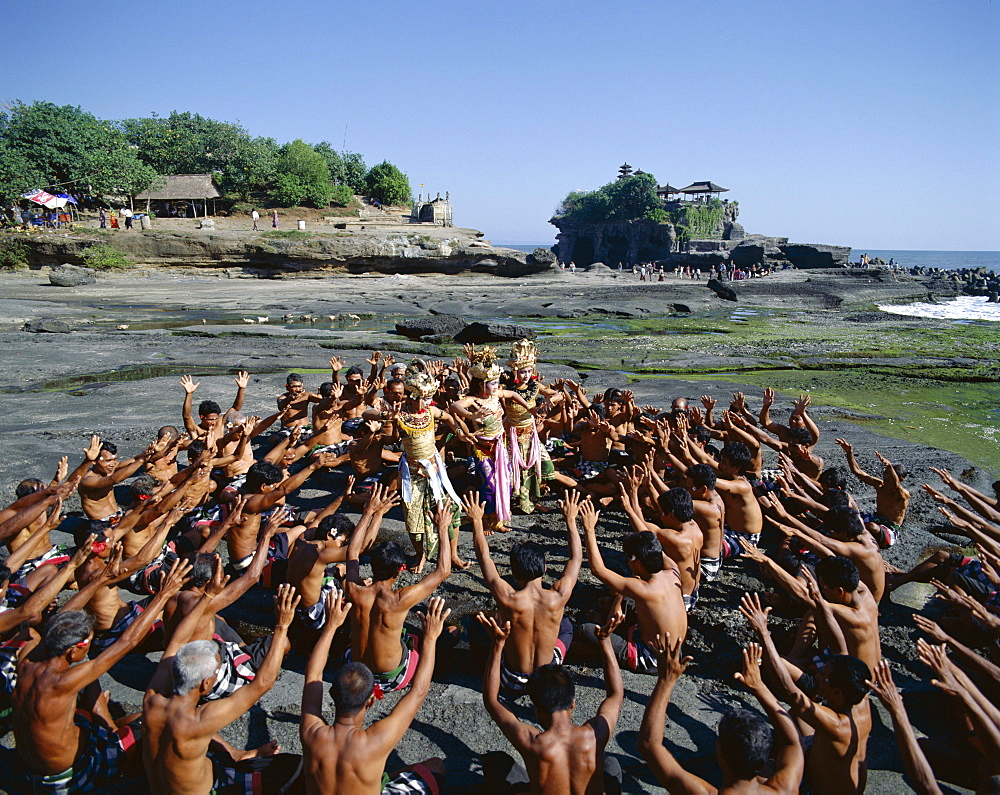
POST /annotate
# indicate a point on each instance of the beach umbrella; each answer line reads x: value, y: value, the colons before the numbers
x: 67, y: 197
x: 39, y: 197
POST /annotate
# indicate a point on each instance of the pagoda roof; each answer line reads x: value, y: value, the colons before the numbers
x: 704, y: 187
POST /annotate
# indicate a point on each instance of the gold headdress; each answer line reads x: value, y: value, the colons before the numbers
x: 484, y: 364
x: 418, y: 382
x: 523, y: 354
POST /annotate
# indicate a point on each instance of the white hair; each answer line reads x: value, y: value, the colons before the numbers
x: 193, y: 663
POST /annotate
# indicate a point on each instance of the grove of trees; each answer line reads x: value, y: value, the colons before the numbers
x: 626, y: 199
x: 67, y: 149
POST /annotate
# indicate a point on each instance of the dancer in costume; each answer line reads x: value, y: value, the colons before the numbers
x: 423, y: 478
x: 482, y: 412
x: 530, y: 461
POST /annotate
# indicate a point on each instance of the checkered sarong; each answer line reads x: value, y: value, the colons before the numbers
x: 235, y: 670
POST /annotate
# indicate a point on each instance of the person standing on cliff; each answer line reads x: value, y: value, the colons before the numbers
x: 274, y: 218
x: 256, y: 217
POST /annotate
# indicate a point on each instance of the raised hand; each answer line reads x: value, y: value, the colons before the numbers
x: 443, y: 512
x: 276, y: 519
x: 374, y: 358
x: 884, y: 687
x: 802, y: 404
x: 614, y: 620
x: 472, y: 507
x: 708, y: 402
x: 93, y: 449
x: 768, y: 397
x: 589, y: 514
x: 336, y: 363
x: 433, y: 619
x: 751, y: 550
x: 753, y: 656
x: 242, y: 379
x: 176, y: 577
x: 284, y: 605
x: 845, y: 445
x: 62, y: 469
x: 83, y: 552
x: 755, y: 615
x: 220, y: 579
x: 498, y: 632
x: 189, y: 384
x: 570, y: 505
x: 337, y: 607
x: 930, y: 628
x: 670, y: 663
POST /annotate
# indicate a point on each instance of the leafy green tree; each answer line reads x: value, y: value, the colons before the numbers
x: 342, y: 195
x: 388, y: 184
x: 302, y: 176
x: 626, y: 199
x: 66, y: 148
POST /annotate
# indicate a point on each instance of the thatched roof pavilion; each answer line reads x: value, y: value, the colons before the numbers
x: 181, y: 187
x: 707, y: 188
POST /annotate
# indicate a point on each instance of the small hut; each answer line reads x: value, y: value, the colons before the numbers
x: 666, y: 192
x: 192, y: 188
x: 707, y: 189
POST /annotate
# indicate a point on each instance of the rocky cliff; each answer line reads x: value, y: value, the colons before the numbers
x: 353, y: 252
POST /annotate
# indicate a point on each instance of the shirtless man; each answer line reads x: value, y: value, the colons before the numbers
x: 63, y: 731
x: 209, y: 412
x: 367, y: 455
x: 743, y: 748
x: 164, y: 466
x: 743, y: 514
x: 179, y: 731
x: 264, y: 489
x: 844, y: 535
x: 354, y: 393
x: 561, y: 756
x: 710, y: 515
x: 799, y: 418
x: 97, y: 489
x: 309, y: 560
x: 891, y: 499
x: 379, y: 611
x: 346, y: 757
x: 655, y: 589
x: 294, y: 405
x: 597, y: 437
x: 836, y: 761
x: 681, y: 539
x: 540, y: 634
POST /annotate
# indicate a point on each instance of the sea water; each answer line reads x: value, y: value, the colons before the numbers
x: 964, y: 308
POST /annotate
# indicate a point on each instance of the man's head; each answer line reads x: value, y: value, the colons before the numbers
x: 833, y: 478
x: 168, y: 432
x: 837, y: 578
x: 901, y: 471
x: 28, y: 486
x: 735, y: 458
x: 337, y: 526
x: 744, y: 744
x: 143, y: 488
x: 326, y: 389
x: 195, y: 666
x: 70, y: 632
x: 262, y: 477
x: 679, y: 406
x: 354, y: 377
x: 551, y: 689
x: 702, y: 478
x: 209, y: 412
x: 195, y: 449
x: 395, y: 391
x: 842, y: 680
x: 799, y: 442
x: 294, y: 384
x: 701, y: 434
x: 844, y: 523
x: 387, y: 560
x: 352, y: 688
x: 527, y: 561
x: 98, y: 528
x: 107, y: 459
x: 202, y: 569
x: 644, y: 553
x: 676, y: 506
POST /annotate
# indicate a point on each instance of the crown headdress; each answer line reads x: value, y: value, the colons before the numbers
x: 418, y: 382
x: 523, y: 354
x: 484, y: 364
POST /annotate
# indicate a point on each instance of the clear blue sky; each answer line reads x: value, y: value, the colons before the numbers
x: 873, y: 124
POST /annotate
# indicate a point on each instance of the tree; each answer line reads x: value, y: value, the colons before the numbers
x: 64, y: 148
x: 388, y: 184
x: 626, y: 199
x: 302, y: 176
x: 346, y: 168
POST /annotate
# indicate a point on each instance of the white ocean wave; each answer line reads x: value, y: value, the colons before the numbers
x: 968, y: 307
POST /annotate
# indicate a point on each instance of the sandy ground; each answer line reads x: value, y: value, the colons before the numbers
x: 36, y: 427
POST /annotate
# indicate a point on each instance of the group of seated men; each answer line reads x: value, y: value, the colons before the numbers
x: 690, y: 483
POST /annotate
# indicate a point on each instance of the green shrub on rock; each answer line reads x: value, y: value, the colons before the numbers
x: 105, y: 257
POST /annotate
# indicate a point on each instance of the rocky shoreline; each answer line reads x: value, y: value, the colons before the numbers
x: 131, y: 335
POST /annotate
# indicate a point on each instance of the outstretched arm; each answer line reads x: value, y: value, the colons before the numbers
x: 852, y: 463
x: 570, y: 506
x: 312, y: 691
x: 518, y: 733
x: 475, y: 510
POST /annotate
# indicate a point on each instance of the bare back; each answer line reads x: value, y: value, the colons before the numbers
x: 534, y: 613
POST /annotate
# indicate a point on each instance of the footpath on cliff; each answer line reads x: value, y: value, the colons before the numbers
x: 128, y: 337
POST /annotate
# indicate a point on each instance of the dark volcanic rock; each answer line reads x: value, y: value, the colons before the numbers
x: 681, y: 308
x: 816, y: 255
x: 493, y: 332
x: 542, y: 256
x: 47, y: 325
x: 71, y: 276
x: 432, y: 325
x: 721, y: 290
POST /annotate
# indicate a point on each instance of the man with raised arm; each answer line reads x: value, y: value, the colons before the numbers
x: 540, y: 633
x: 346, y: 757
x: 744, y: 745
x: 97, y: 489
x: 178, y: 730
x: 799, y: 418
x: 64, y: 733
x: 561, y: 756
x: 836, y: 760
x: 209, y: 412
x: 377, y: 637
x: 891, y: 499
x: 654, y: 587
